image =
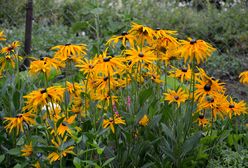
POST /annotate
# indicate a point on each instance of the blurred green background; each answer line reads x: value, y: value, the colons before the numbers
x: 223, y: 23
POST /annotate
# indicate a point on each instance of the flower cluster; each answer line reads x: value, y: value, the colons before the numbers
x: 146, y: 55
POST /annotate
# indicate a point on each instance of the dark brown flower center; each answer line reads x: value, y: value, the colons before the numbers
x: 18, y: 115
x: 184, y: 69
x: 43, y: 90
x: 67, y: 44
x: 201, y: 116
x: 106, y: 59
x: 7, y: 57
x: 10, y: 48
x: 91, y: 66
x: 176, y: 97
x: 231, y: 106
x: 207, y: 87
x: 124, y: 33
x: 193, y: 41
x: 105, y: 78
x: 141, y: 54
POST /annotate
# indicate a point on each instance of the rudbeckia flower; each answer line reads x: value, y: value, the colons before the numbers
x: 57, y: 155
x: 63, y: 127
x: 144, y: 120
x: 215, y: 103
x: 102, y: 82
x: 207, y: 85
x: 202, y: 121
x: 142, y: 33
x: 154, y: 74
x: 75, y: 89
x: 18, y: 121
x: 236, y: 108
x: 183, y: 73
x: 45, y: 66
x: 2, y: 36
x: 108, y: 64
x: 88, y: 66
x: 27, y: 150
x: 178, y: 96
x: 124, y: 38
x: 244, y: 77
x: 37, y: 165
x: 165, y: 39
x: 67, y: 51
x: 10, y: 48
x: 7, y: 59
x: 195, y: 49
x: 41, y: 97
x: 112, y: 122
x: 144, y: 55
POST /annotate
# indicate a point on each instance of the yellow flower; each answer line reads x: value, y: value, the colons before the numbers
x: 27, y: 150
x: 124, y: 38
x: 7, y: 59
x: 102, y: 82
x: 244, y: 77
x: 108, y: 64
x: 215, y: 103
x: 44, y: 66
x: 11, y: 47
x: 207, y: 85
x: 2, y: 36
x: 36, y: 165
x: 236, y: 108
x: 112, y: 122
x: 75, y: 89
x: 18, y: 121
x: 178, y: 96
x: 144, y: 55
x: 195, y: 49
x: 183, y: 73
x: 153, y: 72
x: 41, y: 97
x: 63, y: 127
x: 144, y: 120
x: 164, y: 39
x: 202, y: 121
x: 142, y: 33
x: 54, y: 156
x: 88, y: 66
x: 65, y: 52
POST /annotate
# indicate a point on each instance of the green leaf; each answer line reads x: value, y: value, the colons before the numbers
x: 144, y: 95
x: 15, y: 151
x: 20, y: 141
x: 97, y: 11
x: 2, y: 157
x: 77, y: 162
x: 108, y: 161
x: 190, y: 143
x: 100, y: 150
x: 67, y: 144
x: 60, y: 121
x: 91, y: 163
x: 147, y: 165
x: 17, y: 166
x: 168, y: 132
